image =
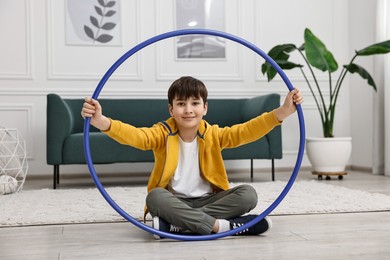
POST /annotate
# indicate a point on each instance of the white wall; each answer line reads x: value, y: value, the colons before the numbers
x: 35, y: 60
x: 362, y: 24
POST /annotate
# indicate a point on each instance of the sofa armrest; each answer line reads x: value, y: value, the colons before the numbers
x: 59, y: 126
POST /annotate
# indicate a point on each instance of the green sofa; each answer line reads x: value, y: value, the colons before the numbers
x: 64, y: 134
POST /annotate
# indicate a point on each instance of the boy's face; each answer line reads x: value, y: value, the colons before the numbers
x: 188, y: 113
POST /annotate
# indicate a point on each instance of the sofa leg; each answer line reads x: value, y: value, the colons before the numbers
x: 56, y: 176
x: 251, y: 170
x: 273, y: 169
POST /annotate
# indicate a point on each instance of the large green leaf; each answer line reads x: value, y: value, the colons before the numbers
x: 268, y: 69
x: 354, y: 68
x: 317, y: 54
x: 287, y: 65
x: 281, y: 51
x: 378, y: 48
x: 280, y: 55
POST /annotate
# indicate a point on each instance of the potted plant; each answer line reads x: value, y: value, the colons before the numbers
x: 315, y: 55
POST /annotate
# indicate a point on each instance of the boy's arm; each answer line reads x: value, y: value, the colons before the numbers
x: 258, y: 127
x: 141, y: 138
x: 249, y: 131
x: 144, y: 138
x: 92, y: 109
x: 294, y: 97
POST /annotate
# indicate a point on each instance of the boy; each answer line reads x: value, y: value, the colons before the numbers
x: 188, y: 189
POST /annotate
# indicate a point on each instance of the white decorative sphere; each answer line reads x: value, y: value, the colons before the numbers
x: 8, y: 184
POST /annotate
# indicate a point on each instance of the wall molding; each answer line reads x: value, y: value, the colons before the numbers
x: 293, y: 75
x: 150, y: 93
x: 27, y: 74
x: 28, y: 109
x: 116, y: 76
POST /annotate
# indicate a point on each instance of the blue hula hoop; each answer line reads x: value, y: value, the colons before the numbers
x: 147, y: 228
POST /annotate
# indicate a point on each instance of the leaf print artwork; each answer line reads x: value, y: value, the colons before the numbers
x: 99, y: 22
x: 93, y: 22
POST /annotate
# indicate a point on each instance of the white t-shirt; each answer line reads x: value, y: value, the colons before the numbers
x: 187, y: 181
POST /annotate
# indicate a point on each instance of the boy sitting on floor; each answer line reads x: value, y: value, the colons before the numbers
x: 188, y: 189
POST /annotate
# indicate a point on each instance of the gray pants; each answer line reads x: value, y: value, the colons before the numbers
x: 199, y: 214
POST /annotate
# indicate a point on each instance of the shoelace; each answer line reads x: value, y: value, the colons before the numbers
x: 237, y: 225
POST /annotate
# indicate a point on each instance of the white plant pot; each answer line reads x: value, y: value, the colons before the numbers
x: 328, y: 154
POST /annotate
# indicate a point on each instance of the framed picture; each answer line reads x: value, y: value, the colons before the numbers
x: 75, y: 55
x: 208, y: 14
x: 93, y: 22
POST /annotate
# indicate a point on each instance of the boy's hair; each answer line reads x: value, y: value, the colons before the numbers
x: 186, y: 87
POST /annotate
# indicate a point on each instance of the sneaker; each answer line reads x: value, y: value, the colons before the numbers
x: 260, y: 227
x: 162, y: 225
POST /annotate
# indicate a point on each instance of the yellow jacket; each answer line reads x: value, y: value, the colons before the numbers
x: 163, y: 139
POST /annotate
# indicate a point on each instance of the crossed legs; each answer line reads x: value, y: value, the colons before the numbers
x: 199, y: 215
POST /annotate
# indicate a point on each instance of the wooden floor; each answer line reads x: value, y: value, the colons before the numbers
x: 322, y: 236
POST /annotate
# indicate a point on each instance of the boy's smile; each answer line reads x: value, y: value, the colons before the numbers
x: 188, y: 114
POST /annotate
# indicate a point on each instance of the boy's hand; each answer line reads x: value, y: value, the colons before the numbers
x: 294, y: 97
x: 91, y: 108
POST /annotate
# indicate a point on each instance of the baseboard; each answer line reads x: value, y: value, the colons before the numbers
x: 360, y: 168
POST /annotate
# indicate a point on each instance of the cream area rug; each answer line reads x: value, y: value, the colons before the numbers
x: 62, y: 206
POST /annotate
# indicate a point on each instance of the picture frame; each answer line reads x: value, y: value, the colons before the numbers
x: 93, y: 22
x: 200, y: 14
